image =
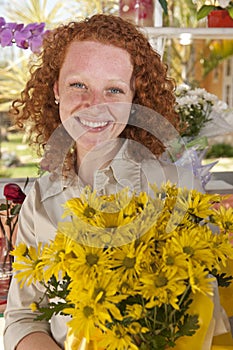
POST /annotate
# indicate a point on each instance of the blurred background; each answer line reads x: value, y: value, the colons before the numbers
x: 202, y: 61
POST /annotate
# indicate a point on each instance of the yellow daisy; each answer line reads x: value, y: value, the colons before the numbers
x: 162, y: 287
x: 56, y: 256
x: 222, y: 249
x: 86, y: 319
x: 199, y: 280
x: 118, y: 338
x: 27, y: 264
x: 171, y: 260
x: 88, y: 260
x: 127, y: 261
x: 193, y: 247
x: 135, y: 311
x: 223, y: 217
x: 102, y: 289
x: 196, y: 204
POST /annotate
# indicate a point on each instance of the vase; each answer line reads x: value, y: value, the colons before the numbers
x: 6, y: 260
x: 5, y: 271
x: 220, y: 19
x: 140, y: 12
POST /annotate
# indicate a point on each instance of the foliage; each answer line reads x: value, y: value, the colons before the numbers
x: 35, y: 11
x: 215, y: 53
x: 85, y: 8
x: 13, y: 79
x: 215, y: 5
x: 180, y: 14
x: 16, y: 146
x: 130, y: 265
x: 220, y: 150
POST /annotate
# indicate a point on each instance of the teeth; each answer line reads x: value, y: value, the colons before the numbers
x: 93, y: 124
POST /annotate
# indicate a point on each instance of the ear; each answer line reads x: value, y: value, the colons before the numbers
x: 55, y: 91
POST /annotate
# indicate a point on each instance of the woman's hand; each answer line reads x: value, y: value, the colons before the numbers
x: 37, y: 341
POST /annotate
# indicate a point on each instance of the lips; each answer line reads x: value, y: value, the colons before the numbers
x: 93, y: 124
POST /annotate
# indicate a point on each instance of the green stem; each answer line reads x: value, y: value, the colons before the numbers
x: 2, y: 227
x: 7, y: 242
x: 180, y: 303
x: 11, y: 231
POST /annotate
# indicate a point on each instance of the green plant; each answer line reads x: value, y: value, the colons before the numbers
x: 220, y: 150
x: 28, y: 166
x: 163, y: 4
x: 216, y: 52
x: 215, y: 5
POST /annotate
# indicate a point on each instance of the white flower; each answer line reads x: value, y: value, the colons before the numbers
x: 196, y: 108
x: 185, y: 96
x: 224, y: 3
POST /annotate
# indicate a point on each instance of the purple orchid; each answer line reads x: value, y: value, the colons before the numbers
x: 29, y: 36
x: 2, y: 22
x: 6, y: 37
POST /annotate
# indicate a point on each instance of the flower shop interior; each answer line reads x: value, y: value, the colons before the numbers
x: 199, y: 56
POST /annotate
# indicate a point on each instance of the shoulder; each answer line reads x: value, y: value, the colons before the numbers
x: 44, y: 187
x: 158, y: 172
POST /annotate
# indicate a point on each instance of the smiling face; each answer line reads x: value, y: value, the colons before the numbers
x: 92, y: 78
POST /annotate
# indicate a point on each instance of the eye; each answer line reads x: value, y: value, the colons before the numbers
x: 78, y: 85
x: 115, y: 90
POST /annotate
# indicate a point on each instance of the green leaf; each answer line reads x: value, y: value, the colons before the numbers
x: 188, y: 326
x: 163, y: 4
x: 3, y: 206
x: 157, y: 342
x: 230, y: 11
x: 54, y: 288
x: 16, y: 209
x: 222, y: 279
x: 26, y: 183
x: 51, y: 309
x: 204, y: 11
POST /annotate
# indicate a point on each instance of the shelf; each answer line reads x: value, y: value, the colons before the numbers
x: 195, y: 33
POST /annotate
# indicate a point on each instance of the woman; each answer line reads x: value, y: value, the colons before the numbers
x: 78, y: 105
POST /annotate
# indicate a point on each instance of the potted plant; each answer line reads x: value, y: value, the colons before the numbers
x: 219, y: 13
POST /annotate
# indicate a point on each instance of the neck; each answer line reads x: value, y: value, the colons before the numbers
x: 89, y: 161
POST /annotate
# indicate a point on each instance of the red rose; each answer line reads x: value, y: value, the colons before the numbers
x: 13, y: 193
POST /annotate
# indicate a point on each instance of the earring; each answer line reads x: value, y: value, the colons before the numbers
x: 56, y: 102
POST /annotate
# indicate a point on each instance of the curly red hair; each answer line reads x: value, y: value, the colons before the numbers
x: 153, y: 88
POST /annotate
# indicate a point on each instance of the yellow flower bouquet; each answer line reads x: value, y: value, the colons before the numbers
x: 128, y: 268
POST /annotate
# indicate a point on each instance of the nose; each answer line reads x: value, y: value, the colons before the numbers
x: 93, y: 97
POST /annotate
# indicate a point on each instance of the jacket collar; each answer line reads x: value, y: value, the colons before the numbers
x: 123, y: 168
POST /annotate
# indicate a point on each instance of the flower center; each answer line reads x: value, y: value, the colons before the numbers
x: 170, y: 260
x: 92, y: 259
x: 89, y: 212
x: 88, y: 311
x: 188, y: 250
x: 129, y: 262
x: 160, y: 281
